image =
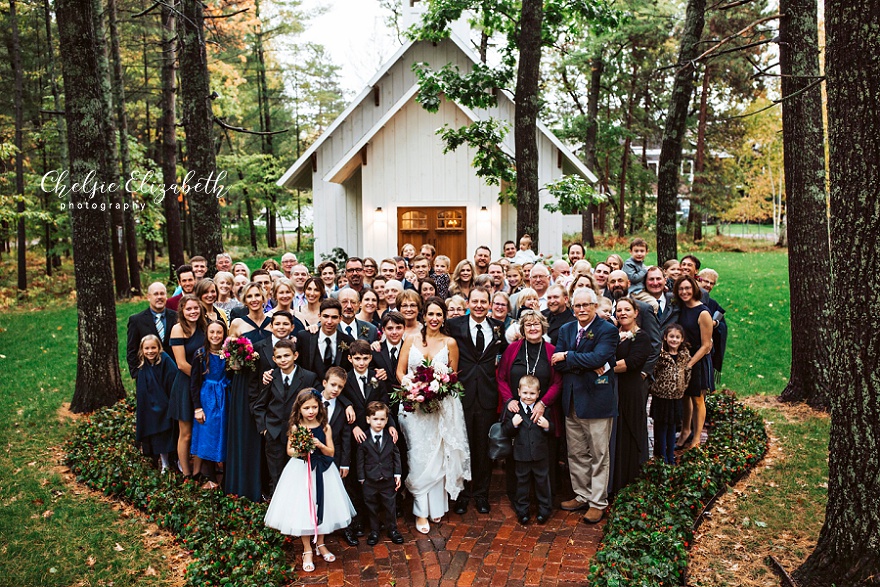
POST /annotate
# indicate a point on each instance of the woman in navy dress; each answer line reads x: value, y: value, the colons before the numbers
x: 187, y: 337
x: 243, y: 441
x: 631, y: 438
x: 696, y: 321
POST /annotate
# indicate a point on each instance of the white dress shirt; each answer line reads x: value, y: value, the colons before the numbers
x: 486, y: 328
x: 323, y: 345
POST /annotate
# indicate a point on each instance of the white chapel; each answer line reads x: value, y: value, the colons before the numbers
x: 379, y: 177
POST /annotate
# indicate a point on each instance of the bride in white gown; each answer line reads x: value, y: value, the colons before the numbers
x: 439, y: 458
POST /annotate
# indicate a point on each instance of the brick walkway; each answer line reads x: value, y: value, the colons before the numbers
x: 474, y: 549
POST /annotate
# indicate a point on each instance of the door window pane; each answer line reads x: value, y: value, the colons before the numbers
x: 450, y: 220
x: 414, y: 220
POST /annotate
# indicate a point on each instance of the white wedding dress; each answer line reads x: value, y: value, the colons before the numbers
x: 439, y: 458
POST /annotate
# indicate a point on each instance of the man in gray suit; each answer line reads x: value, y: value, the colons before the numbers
x: 655, y: 285
x: 350, y: 325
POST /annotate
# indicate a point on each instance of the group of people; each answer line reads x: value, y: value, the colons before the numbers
x: 565, y: 355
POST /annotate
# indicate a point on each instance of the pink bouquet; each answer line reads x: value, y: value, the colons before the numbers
x: 425, y: 388
x: 239, y: 354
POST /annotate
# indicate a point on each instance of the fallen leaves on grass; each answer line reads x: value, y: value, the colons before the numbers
x: 731, y: 549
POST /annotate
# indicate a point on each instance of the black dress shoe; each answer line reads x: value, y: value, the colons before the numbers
x: 523, y: 520
x: 359, y: 530
x: 350, y: 538
x: 483, y: 506
x: 373, y: 538
x: 396, y: 537
x: 542, y: 519
x: 461, y: 507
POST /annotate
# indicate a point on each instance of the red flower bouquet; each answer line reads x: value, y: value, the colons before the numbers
x: 425, y: 388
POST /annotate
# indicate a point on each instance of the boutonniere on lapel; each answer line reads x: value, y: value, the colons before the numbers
x: 589, y: 335
x: 496, y: 332
x: 374, y: 383
x: 343, y: 346
x: 365, y: 331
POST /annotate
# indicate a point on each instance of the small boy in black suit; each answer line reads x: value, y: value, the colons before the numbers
x: 340, y: 415
x: 531, y: 452
x: 361, y: 388
x: 378, y: 468
x: 273, y: 404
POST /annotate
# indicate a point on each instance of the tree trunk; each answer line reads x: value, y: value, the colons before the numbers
x: 673, y: 134
x: 848, y: 550
x: 624, y: 161
x: 597, y: 67
x: 695, y: 216
x: 109, y: 174
x: 134, y: 274
x: 198, y: 121
x: 98, y: 380
x: 173, y: 230
x: 809, y: 254
x: 265, y: 126
x: 19, y: 155
x: 55, y: 259
x: 525, y: 119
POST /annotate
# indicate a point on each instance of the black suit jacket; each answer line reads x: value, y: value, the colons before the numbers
x: 239, y: 312
x: 312, y: 358
x: 266, y: 362
x: 380, y: 393
x: 530, y: 441
x: 375, y: 464
x: 555, y: 322
x: 140, y: 325
x: 382, y: 360
x: 272, y: 409
x: 476, y: 371
x: 341, y: 430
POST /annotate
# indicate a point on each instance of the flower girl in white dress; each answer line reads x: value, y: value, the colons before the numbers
x: 310, y: 499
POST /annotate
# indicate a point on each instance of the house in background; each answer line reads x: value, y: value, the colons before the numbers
x: 379, y: 177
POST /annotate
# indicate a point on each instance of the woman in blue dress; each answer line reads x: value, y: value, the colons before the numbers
x: 695, y: 319
x: 243, y: 441
x: 208, y: 392
x: 187, y: 337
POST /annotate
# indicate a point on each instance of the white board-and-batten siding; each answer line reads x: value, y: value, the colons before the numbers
x: 406, y: 167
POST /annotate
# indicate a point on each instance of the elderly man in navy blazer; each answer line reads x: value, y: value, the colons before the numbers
x: 585, y: 355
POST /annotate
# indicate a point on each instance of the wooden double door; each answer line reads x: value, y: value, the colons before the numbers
x: 442, y: 227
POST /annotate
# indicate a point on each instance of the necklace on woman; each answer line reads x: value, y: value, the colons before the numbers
x: 531, y: 370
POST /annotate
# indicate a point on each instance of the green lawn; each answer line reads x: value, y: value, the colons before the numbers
x: 49, y: 532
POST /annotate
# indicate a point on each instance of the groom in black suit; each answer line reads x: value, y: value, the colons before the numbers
x: 150, y: 321
x: 480, y: 343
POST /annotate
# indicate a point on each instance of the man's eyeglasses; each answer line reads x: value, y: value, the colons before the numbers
x: 579, y: 306
x: 354, y: 270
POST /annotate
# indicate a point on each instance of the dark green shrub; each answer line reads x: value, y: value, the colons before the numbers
x: 227, y: 538
x: 651, y: 523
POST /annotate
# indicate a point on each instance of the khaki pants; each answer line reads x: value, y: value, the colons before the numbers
x: 589, y: 458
